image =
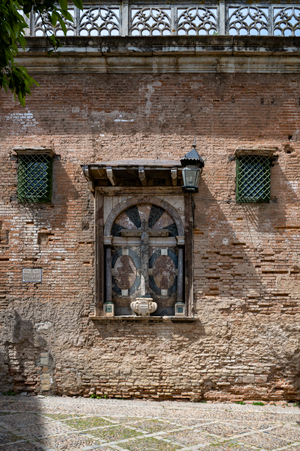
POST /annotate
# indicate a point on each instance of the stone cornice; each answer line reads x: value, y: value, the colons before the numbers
x: 168, y: 54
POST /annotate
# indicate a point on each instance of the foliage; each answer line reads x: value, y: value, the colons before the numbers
x: 12, y: 36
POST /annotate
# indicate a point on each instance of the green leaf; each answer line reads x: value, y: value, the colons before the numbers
x: 68, y: 16
x: 12, y: 36
x: 53, y: 41
x: 78, y: 3
x: 62, y: 24
x: 63, y: 4
x: 54, y: 18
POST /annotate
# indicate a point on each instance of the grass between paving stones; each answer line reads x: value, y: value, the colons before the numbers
x: 62, y: 416
x: 149, y: 444
x: 86, y: 423
x: 152, y: 426
x: 124, y: 419
x: 116, y: 433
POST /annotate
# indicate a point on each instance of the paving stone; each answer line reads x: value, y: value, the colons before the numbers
x: 189, y: 437
x: 104, y: 422
x: 20, y: 419
x: 115, y: 433
x: 68, y: 442
x: 265, y: 441
x: 258, y: 425
x: 150, y: 444
x: 86, y: 423
x: 7, y: 436
x: 287, y: 432
x: 44, y: 430
x: 190, y: 421
x: 25, y: 446
x: 224, y: 429
x: 124, y: 419
x: 153, y: 425
x: 62, y: 416
x: 228, y: 446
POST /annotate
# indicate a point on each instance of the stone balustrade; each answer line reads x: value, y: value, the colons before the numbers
x: 165, y: 19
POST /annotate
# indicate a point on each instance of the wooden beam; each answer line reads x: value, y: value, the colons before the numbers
x: 99, y: 254
x: 110, y: 175
x: 188, y: 270
x: 142, y: 176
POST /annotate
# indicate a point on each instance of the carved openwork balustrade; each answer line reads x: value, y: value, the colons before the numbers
x: 163, y: 19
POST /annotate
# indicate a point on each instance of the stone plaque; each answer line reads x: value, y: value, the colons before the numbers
x: 32, y: 275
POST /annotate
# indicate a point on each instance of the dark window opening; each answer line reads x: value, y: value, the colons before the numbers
x: 34, y: 178
x: 253, y: 179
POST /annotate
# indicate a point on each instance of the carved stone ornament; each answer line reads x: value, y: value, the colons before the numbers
x: 143, y: 306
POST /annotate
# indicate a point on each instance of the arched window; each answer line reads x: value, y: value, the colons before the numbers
x: 144, y: 255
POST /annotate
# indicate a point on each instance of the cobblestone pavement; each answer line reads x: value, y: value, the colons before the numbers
x: 54, y: 423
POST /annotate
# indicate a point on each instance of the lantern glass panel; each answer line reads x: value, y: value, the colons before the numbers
x: 190, y: 176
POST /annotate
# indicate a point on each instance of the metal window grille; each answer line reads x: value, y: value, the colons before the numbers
x: 253, y: 179
x: 34, y: 178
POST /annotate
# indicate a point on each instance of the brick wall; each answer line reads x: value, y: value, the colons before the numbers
x: 245, y: 344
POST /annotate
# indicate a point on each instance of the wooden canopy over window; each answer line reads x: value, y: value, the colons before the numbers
x: 133, y: 173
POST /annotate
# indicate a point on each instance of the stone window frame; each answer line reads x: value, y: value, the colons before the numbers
x: 103, y: 241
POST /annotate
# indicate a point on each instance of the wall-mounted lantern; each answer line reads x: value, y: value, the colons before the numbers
x: 192, y: 165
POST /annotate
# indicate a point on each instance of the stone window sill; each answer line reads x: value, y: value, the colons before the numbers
x: 150, y: 319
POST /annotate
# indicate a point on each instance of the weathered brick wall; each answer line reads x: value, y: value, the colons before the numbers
x: 245, y: 343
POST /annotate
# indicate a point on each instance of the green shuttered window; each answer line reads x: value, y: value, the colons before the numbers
x: 34, y: 178
x: 253, y: 178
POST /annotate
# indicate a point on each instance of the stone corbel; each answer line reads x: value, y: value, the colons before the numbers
x: 110, y: 175
x: 142, y: 176
x: 86, y: 173
x: 174, y: 175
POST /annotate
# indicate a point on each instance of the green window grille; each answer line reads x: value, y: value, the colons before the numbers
x: 34, y: 178
x: 253, y: 178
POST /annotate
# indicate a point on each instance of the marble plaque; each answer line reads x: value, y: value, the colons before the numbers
x: 32, y: 275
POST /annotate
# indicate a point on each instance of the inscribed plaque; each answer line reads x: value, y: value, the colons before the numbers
x: 32, y: 275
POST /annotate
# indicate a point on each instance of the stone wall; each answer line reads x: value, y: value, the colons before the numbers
x: 245, y: 343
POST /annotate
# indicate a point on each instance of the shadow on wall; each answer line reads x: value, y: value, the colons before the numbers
x: 242, y: 250
x: 247, y: 276
x: 21, y: 373
x: 27, y: 363
x: 55, y: 214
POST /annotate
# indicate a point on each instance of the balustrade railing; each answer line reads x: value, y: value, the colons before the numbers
x: 125, y: 19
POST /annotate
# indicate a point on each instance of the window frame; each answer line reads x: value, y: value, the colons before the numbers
x: 270, y: 153
x: 27, y: 192
x: 250, y: 188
